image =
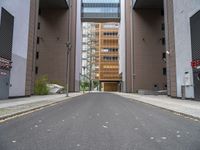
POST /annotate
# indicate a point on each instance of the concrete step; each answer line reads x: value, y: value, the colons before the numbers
x: 149, y: 92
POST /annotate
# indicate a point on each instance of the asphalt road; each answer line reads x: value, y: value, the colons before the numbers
x: 100, y: 121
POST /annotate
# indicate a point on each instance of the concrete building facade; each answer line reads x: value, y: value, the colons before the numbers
x: 20, y: 11
x: 55, y: 27
x: 149, y: 55
x: 158, y: 43
x: 41, y: 33
x: 162, y: 46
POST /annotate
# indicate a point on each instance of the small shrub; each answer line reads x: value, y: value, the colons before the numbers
x: 84, y: 86
x: 41, y: 86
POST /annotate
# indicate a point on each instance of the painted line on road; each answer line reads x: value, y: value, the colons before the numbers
x: 29, y: 111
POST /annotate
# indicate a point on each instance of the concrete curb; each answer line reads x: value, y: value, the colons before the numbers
x: 164, y: 108
x: 21, y: 113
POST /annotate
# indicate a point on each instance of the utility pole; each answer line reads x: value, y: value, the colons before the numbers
x: 90, y: 69
x: 69, y: 47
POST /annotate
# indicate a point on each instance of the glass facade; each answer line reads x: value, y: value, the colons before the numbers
x: 101, y: 9
x: 101, y: 1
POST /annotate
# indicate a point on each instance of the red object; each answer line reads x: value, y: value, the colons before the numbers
x: 5, y: 64
x: 195, y: 63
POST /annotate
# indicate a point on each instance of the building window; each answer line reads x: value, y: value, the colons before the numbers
x: 37, y: 55
x: 39, y: 12
x: 163, y: 27
x: 164, y: 71
x: 163, y: 41
x: 162, y: 12
x: 38, y: 25
x: 164, y: 56
x: 38, y: 40
x: 36, y: 70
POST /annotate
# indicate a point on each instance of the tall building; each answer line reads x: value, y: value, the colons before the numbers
x: 15, y: 46
x: 148, y: 53
x: 109, y: 57
x: 103, y: 57
x: 55, y: 39
x: 162, y: 46
x: 100, y: 55
x: 35, y: 36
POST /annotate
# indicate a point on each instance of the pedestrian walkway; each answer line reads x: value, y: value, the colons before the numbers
x: 20, y: 105
x: 185, y: 107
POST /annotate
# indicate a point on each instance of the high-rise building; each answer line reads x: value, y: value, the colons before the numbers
x: 109, y: 57
x: 100, y: 55
x: 35, y: 37
x: 161, y: 44
x: 100, y: 65
x: 56, y: 45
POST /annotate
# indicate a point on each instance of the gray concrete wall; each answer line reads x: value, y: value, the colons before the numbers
x: 183, y: 10
x: 170, y: 48
x: 78, y: 46
x: 32, y: 38
x: 128, y: 47
x: 122, y: 58
x: 73, y: 33
x: 53, y: 36
x: 20, y: 9
x: 148, y: 50
x: 57, y: 27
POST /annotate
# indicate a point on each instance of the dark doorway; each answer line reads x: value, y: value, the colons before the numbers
x: 6, y: 38
x: 195, y: 37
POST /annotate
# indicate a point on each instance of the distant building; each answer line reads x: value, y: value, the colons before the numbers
x: 100, y: 55
x: 90, y: 45
x: 109, y: 56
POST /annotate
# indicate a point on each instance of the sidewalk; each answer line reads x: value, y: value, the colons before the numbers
x: 12, y: 107
x: 184, y: 107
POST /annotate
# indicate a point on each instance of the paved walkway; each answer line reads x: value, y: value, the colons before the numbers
x: 33, y: 99
x: 20, y: 105
x: 186, y: 107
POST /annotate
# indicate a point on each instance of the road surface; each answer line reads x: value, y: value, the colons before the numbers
x: 100, y: 121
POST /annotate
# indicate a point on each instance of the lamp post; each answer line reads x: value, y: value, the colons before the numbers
x: 69, y: 46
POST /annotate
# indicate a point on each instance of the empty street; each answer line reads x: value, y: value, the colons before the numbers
x: 100, y: 121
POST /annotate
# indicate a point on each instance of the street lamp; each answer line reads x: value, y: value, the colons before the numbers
x: 69, y: 47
